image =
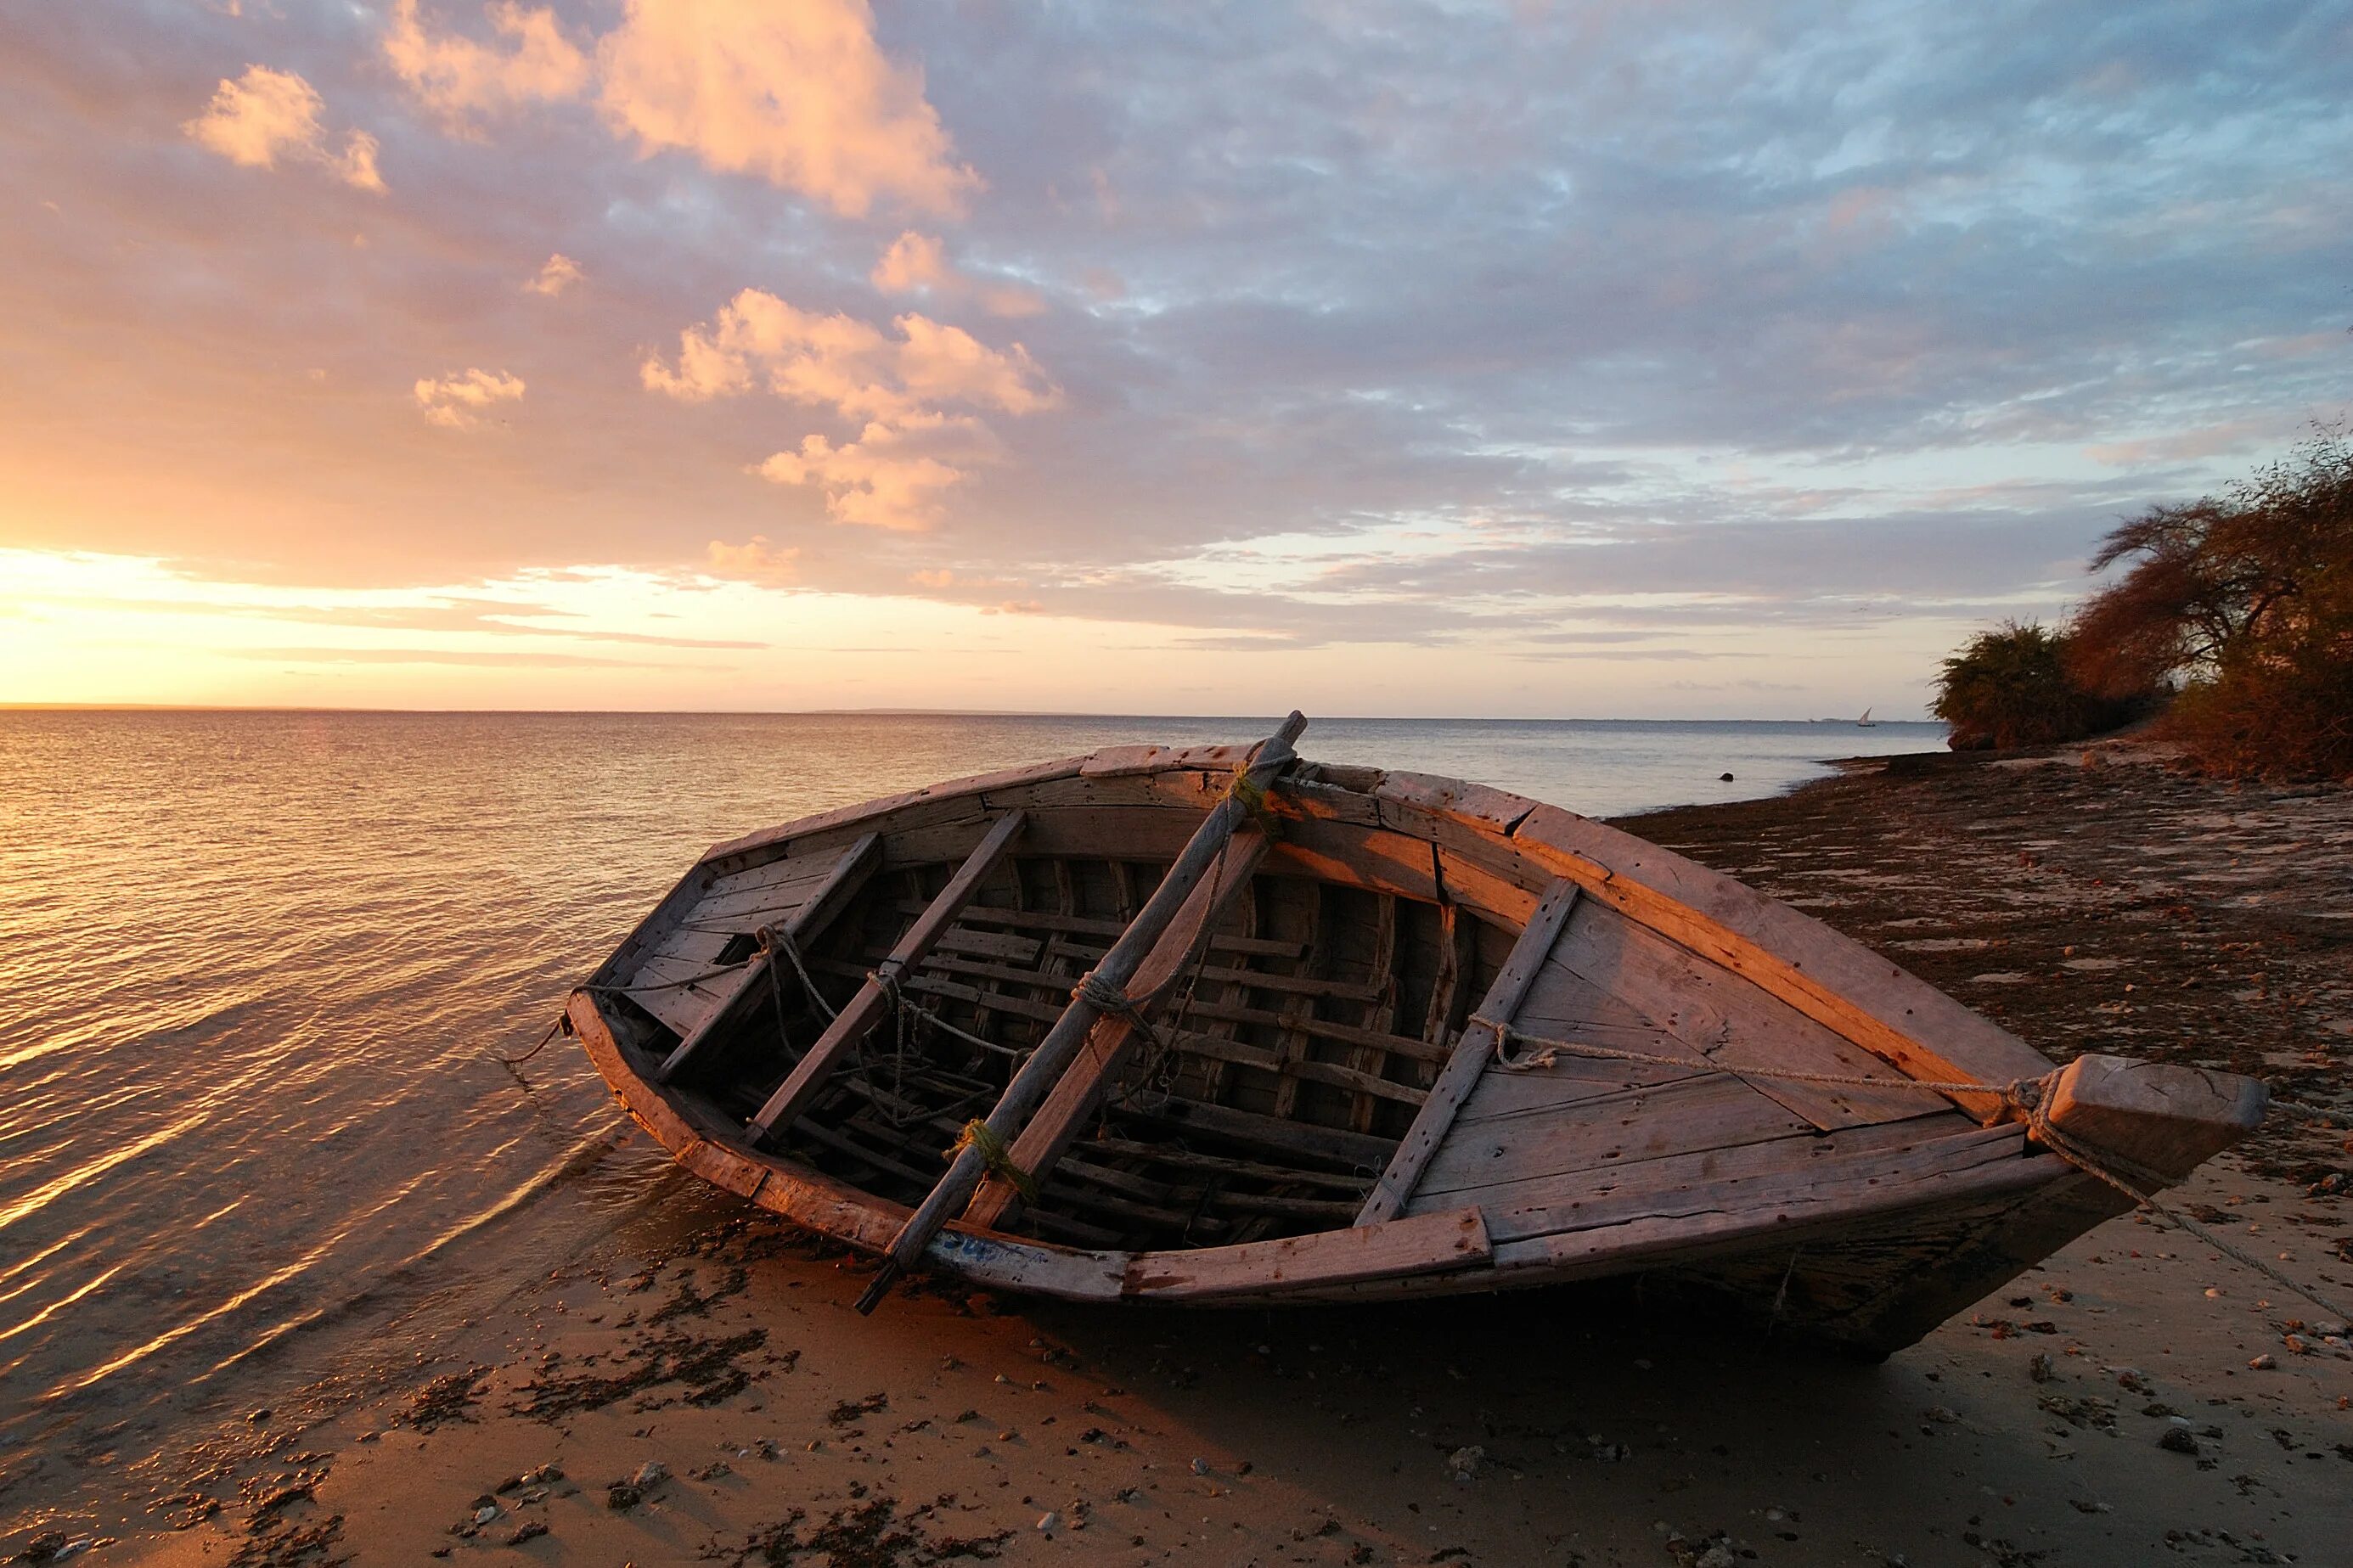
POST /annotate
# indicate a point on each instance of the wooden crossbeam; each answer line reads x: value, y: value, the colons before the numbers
x: 867, y: 1008
x: 1477, y: 1046
x: 848, y: 873
x: 1111, y: 1040
x: 1038, y: 1076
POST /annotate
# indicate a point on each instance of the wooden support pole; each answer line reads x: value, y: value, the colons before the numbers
x: 867, y: 1008
x: 1046, y: 1065
x: 850, y: 873
x: 1110, y: 1042
x: 1476, y: 1047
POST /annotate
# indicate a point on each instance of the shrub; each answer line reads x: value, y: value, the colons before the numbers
x: 2246, y: 599
x: 2012, y: 687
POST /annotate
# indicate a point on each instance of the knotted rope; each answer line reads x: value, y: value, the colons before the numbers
x: 2027, y: 1097
x: 773, y: 939
x: 995, y: 1156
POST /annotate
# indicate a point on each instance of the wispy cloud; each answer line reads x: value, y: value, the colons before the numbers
x: 460, y: 400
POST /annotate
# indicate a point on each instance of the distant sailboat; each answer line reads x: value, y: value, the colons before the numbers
x: 1866, y: 722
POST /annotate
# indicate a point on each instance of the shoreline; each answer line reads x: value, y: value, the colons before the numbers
x: 2104, y: 907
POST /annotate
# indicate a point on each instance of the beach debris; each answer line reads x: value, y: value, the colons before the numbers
x: 446, y: 1398
x: 849, y: 1410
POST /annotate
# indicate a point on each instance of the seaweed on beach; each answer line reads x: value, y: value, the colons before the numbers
x: 446, y: 1398
x: 872, y: 1536
x: 706, y: 1368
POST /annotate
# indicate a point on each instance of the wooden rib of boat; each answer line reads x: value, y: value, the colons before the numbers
x: 1283, y: 1084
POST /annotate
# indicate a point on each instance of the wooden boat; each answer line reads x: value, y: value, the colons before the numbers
x: 1219, y: 1026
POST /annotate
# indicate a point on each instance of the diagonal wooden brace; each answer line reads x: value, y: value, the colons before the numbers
x: 1112, y: 1040
x: 872, y: 1003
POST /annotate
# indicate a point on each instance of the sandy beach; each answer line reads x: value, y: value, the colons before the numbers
x: 690, y: 1382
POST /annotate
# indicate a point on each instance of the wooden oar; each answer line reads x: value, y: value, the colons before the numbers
x: 1053, y: 1057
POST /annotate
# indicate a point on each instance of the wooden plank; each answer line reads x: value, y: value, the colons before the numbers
x: 1111, y: 1042
x: 1806, y: 1168
x: 849, y: 872
x: 868, y: 1007
x: 1451, y: 986
x: 1083, y: 925
x: 1325, y: 1029
x: 1713, y: 1013
x: 1291, y: 1040
x: 1037, y: 1076
x: 1240, y: 1052
x: 1627, y: 1127
x: 1829, y: 978
x: 1476, y: 1047
x: 1178, y: 1157
x: 1425, y: 1244
x: 1380, y: 1012
x: 1351, y: 1151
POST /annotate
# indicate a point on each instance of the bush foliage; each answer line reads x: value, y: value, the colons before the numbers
x: 2242, y: 604
x: 2012, y: 686
x: 2245, y: 602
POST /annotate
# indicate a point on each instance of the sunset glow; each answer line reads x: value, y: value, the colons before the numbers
x: 723, y: 353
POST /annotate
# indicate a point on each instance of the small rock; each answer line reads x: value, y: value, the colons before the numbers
x: 531, y: 1532
x: 487, y: 1512
x: 2039, y: 1367
x: 622, y: 1497
x: 1465, y: 1464
x: 2263, y: 1363
x: 258, y: 1416
x: 1050, y: 1523
x: 1200, y: 1467
x: 1941, y: 1414
x: 649, y: 1474
x: 2177, y: 1440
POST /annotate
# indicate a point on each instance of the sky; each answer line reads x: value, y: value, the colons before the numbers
x: 1571, y: 360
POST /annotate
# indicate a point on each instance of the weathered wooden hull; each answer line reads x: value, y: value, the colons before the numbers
x: 1313, y: 1116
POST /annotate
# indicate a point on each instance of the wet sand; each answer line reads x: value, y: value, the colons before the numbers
x: 2102, y: 1409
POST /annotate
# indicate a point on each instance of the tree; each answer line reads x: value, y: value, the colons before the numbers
x: 2245, y: 602
x: 2012, y: 687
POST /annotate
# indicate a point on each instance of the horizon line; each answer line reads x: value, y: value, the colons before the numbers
x: 896, y: 712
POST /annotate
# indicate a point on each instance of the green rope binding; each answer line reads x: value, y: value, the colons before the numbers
x: 995, y: 1156
x: 1255, y: 801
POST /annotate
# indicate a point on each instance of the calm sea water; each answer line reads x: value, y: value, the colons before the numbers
x: 257, y: 970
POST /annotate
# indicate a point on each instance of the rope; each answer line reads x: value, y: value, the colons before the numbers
x: 552, y: 1028
x: 773, y: 939
x: 2027, y: 1097
x: 995, y: 1156
x: 691, y: 980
